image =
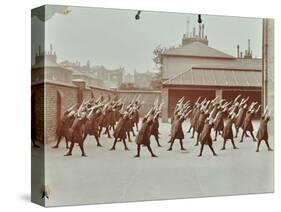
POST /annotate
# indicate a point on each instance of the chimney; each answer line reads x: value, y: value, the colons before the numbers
x: 199, y: 31
x: 193, y: 32
x: 238, y: 51
x: 51, y: 49
x: 187, y: 27
x: 241, y: 54
x: 39, y: 49
x: 249, y: 45
x: 203, y: 31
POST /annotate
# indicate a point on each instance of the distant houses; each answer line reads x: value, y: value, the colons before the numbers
x: 141, y: 80
x: 46, y: 68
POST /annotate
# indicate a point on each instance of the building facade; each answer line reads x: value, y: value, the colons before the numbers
x: 195, y: 69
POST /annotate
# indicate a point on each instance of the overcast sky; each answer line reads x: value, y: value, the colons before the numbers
x: 114, y: 38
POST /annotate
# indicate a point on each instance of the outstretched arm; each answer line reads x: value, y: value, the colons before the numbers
x: 244, y: 101
x: 187, y: 114
x: 237, y: 97
x: 258, y: 109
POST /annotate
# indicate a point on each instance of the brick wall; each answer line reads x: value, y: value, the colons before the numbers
x: 59, y: 97
x: 37, y: 111
x: 147, y: 96
x: 55, y: 93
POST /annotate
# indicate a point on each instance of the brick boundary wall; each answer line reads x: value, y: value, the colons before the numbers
x: 49, y: 106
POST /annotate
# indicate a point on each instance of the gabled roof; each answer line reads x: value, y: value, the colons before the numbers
x: 197, y: 49
x: 217, y: 77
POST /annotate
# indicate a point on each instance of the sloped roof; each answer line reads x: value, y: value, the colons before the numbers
x: 76, y: 72
x: 46, y: 62
x: 217, y: 77
x: 197, y: 49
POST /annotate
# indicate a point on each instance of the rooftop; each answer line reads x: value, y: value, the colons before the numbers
x: 197, y: 49
x: 217, y: 77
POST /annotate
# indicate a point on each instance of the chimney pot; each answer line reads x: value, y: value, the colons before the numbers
x: 194, y: 32
x: 51, y: 49
x: 199, y: 31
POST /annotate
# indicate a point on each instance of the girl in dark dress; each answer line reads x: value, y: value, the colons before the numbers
x: 120, y: 130
x: 135, y: 114
x: 104, y: 120
x: 177, y: 131
x: 201, y: 120
x: 227, y: 131
x: 218, y: 123
x: 194, y: 120
x: 143, y: 136
x: 262, y: 134
x: 91, y: 125
x: 242, y: 108
x: 76, y: 132
x: 240, y: 117
x: 111, y: 118
x: 129, y: 126
x: 219, y: 118
x: 193, y: 112
x: 154, y: 128
x: 205, y: 136
x: 191, y: 118
x: 64, y: 126
x: 247, y: 124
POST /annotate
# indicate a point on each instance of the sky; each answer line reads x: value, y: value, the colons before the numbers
x: 114, y: 38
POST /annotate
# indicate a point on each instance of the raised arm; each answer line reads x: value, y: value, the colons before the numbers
x: 237, y: 97
x: 71, y: 107
x: 187, y: 114
x: 258, y: 109
x: 197, y: 101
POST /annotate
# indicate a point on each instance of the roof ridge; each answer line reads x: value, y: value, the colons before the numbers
x: 198, y: 49
x: 215, y: 49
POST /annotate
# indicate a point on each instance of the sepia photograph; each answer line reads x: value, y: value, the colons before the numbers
x: 132, y: 105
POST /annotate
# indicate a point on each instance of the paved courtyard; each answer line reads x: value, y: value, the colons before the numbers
x: 105, y: 176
